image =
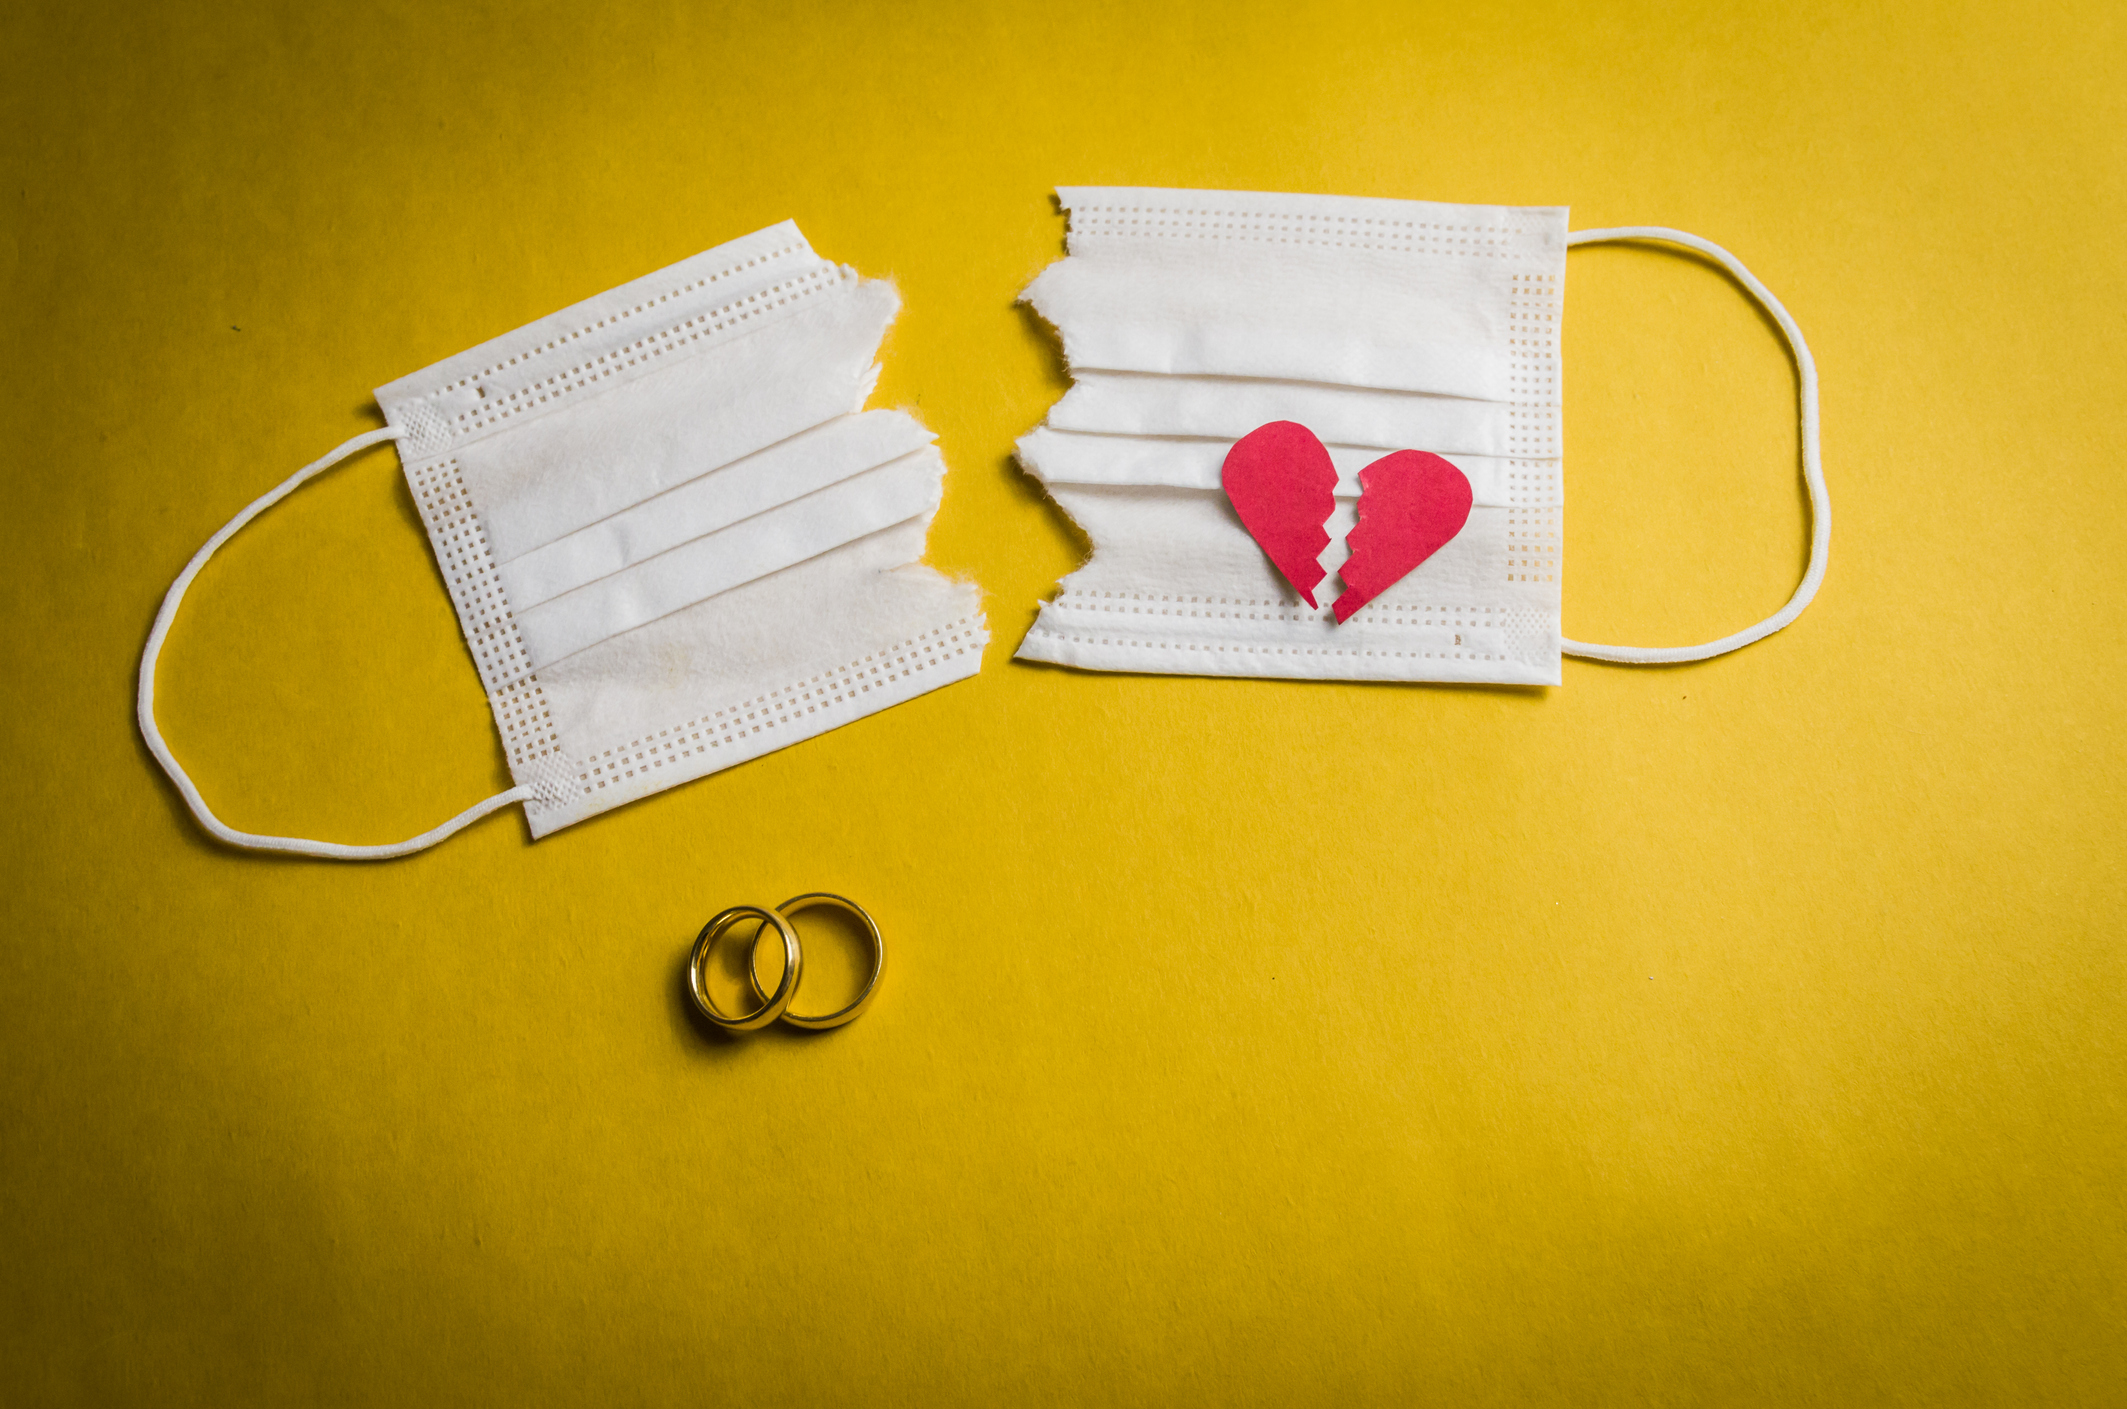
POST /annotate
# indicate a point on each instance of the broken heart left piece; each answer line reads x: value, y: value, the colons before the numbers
x: 1283, y: 485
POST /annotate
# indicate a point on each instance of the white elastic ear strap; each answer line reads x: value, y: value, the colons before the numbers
x: 1820, y: 504
x: 301, y: 846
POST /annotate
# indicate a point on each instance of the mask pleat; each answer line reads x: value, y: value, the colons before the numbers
x: 618, y: 448
x: 1228, y: 408
x: 1289, y: 312
x: 878, y: 632
x: 1178, y: 462
x: 768, y: 542
x: 786, y: 471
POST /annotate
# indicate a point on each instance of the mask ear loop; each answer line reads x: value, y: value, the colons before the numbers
x: 1820, y: 504
x: 300, y: 846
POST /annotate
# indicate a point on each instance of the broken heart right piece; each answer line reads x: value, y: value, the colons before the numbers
x: 1411, y: 505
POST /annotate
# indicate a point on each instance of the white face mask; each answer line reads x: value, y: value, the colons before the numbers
x: 674, y: 541
x: 1195, y: 322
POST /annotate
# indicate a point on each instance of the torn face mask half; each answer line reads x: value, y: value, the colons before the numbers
x: 674, y: 538
x: 1268, y: 391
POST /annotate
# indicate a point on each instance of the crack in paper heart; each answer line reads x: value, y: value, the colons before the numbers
x: 1280, y: 480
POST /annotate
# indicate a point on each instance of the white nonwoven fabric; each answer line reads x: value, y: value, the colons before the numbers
x: 1190, y: 318
x: 674, y: 538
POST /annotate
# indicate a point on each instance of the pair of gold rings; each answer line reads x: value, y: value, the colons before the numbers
x: 777, y: 1005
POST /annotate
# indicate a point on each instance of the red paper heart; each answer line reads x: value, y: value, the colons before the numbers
x: 1283, y: 485
x: 1410, y: 504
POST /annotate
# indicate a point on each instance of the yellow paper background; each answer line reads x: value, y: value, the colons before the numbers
x: 1747, y: 1033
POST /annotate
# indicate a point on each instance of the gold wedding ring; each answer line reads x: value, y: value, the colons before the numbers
x: 772, y: 1006
x: 822, y: 1021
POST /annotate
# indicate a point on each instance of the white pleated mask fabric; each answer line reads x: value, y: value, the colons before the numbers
x: 674, y: 539
x: 1191, y: 318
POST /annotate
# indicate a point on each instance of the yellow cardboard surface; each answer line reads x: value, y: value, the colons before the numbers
x: 1747, y: 1033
